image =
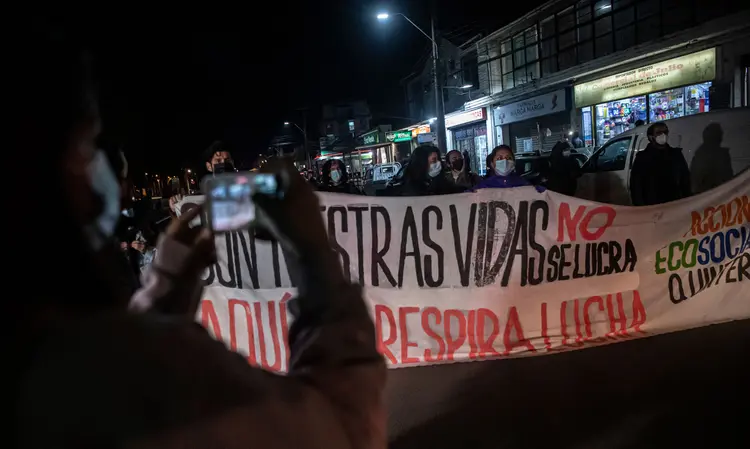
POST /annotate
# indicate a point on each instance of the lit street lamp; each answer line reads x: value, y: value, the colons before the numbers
x: 439, y: 109
x: 304, y: 136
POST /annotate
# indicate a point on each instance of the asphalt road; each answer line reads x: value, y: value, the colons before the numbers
x: 685, y: 389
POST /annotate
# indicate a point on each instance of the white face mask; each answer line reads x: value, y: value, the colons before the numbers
x: 335, y: 176
x: 435, y: 169
x: 104, y: 184
x: 504, y: 166
x: 661, y: 139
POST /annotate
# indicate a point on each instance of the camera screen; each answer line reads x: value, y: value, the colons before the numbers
x: 232, y: 205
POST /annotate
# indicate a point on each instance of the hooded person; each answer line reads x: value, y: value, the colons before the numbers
x: 335, y: 179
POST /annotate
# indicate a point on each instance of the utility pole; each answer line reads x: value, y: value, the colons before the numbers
x: 304, y: 136
x: 436, y: 78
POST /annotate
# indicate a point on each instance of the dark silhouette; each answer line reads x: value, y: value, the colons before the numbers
x: 563, y: 171
x: 712, y: 164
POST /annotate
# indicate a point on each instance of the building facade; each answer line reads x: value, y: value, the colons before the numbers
x: 598, y: 66
x: 457, y: 85
x: 345, y: 119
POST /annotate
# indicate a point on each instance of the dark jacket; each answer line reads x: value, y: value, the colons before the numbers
x: 465, y: 180
x: 439, y: 185
x: 563, y: 171
x: 658, y: 176
x: 128, y: 380
x: 344, y: 187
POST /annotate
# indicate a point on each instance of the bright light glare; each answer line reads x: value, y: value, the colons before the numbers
x: 433, y: 119
x: 286, y: 123
x: 383, y: 16
x: 467, y: 86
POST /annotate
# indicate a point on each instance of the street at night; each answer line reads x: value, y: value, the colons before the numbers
x: 370, y: 224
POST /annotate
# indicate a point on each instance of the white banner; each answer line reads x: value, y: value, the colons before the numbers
x: 500, y: 273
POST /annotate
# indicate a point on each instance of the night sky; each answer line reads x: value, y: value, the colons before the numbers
x: 171, y: 82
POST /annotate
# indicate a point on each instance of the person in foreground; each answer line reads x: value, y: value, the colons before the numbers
x: 501, y: 171
x: 90, y: 370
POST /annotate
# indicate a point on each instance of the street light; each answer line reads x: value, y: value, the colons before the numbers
x: 465, y: 86
x: 304, y: 136
x: 439, y: 110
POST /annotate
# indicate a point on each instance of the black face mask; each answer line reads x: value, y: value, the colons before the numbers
x: 223, y: 167
x: 457, y: 164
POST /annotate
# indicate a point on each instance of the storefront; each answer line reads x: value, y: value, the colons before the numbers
x: 535, y: 124
x: 467, y: 132
x: 373, y: 148
x: 402, y: 142
x: 665, y: 90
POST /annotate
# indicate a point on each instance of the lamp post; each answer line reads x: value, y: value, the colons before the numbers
x: 439, y: 109
x: 304, y: 136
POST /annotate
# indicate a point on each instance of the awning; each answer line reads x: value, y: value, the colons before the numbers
x: 374, y: 145
x: 340, y: 155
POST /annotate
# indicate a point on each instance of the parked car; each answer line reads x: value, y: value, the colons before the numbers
x: 606, y: 175
x: 394, y: 184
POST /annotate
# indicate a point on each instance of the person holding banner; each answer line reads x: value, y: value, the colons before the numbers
x: 334, y: 178
x: 460, y: 173
x: 424, y: 174
x: 502, y: 170
x: 86, y: 371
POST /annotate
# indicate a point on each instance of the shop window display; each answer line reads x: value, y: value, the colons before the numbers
x: 696, y: 98
x: 674, y: 103
x: 618, y: 116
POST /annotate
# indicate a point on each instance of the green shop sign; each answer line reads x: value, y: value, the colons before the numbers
x: 370, y: 138
x: 398, y: 136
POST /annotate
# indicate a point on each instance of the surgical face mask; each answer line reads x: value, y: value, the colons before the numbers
x: 223, y: 167
x: 661, y: 139
x: 435, y: 169
x: 504, y: 166
x: 335, y: 176
x: 105, y: 186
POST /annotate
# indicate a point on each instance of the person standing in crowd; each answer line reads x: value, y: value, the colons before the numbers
x: 563, y: 173
x: 125, y: 228
x: 502, y: 170
x: 660, y: 173
x: 639, y: 122
x: 335, y: 179
x: 424, y: 174
x: 576, y: 140
x: 459, y: 172
x: 93, y: 368
x: 218, y: 158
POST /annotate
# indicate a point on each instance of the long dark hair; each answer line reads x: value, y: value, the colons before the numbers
x: 416, y: 171
x: 325, y: 178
